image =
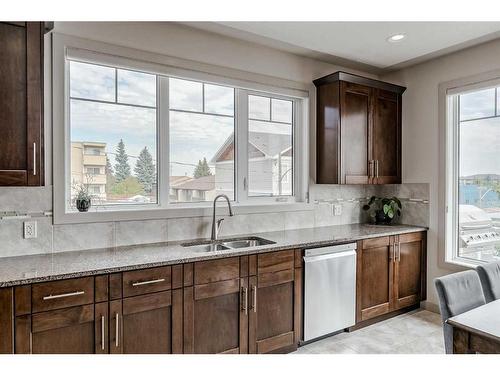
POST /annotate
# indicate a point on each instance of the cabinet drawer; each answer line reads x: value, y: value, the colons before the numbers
x: 376, y: 242
x: 410, y: 237
x: 274, y: 262
x: 216, y: 270
x: 65, y: 293
x: 146, y: 281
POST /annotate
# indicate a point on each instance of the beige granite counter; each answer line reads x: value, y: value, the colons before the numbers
x: 37, y: 268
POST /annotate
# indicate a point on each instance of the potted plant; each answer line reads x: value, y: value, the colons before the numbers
x: 83, y: 199
x: 384, y: 209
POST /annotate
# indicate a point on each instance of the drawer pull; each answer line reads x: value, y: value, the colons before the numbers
x: 72, y: 294
x: 139, y: 283
x: 244, y: 296
x: 254, y: 304
x: 117, y: 330
x: 103, y: 337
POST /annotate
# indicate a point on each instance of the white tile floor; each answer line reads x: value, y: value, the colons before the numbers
x: 417, y: 332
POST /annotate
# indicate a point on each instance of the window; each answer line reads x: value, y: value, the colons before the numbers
x: 141, y: 138
x: 270, y: 146
x: 474, y: 133
x: 93, y: 170
x: 201, y: 140
x: 113, y: 127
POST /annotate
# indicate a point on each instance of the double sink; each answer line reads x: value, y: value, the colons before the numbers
x: 224, y: 245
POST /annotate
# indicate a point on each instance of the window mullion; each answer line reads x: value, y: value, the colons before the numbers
x: 241, y: 151
x: 163, y: 142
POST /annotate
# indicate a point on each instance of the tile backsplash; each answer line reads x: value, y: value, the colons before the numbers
x: 71, y: 237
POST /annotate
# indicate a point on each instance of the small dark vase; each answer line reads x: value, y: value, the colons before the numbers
x: 83, y: 205
x: 382, y: 218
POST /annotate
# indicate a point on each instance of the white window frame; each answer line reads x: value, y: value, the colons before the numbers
x: 119, y: 57
x: 449, y: 165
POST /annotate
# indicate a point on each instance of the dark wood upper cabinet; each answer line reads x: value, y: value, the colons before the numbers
x: 358, y: 132
x: 21, y: 104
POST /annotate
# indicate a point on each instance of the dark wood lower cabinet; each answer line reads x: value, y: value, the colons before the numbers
x: 271, y: 324
x: 248, y: 304
x: 390, y: 274
x: 65, y: 331
x: 410, y: 264
x: 143, y: 324
x: 375, y: 270
x: 215, y: 317
x: 6, y: 321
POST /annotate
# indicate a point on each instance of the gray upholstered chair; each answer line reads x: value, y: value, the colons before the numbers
x: 490, y: 280
x: 458, y: 293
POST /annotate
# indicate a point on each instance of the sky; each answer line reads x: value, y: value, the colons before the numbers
x: 479, y: 139
x: 192, y: 135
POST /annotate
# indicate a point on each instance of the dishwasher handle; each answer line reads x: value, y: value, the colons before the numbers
x: 339, y: 254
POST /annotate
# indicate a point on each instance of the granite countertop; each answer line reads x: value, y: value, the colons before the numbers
x: 37, y: 268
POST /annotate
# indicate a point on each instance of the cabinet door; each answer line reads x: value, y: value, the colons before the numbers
x: 356, y: 119
x: 409, y: 263
x: 21, y: 61
x: 64, y: 331
x: 328, y: 134
x: 386, y: 137
x: 374, y: 278
x: 142, y: 324
x: 215, y: 317
x: 6, y: 321
x: 272, y: 313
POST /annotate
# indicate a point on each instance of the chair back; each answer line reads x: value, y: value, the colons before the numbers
x: 490, y: 280
x: 458, y: 292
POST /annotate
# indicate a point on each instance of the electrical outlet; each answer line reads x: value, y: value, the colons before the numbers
x: 337, y: 209
x: 30, y: 229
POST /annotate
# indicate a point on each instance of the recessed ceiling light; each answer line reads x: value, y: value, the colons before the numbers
x: 396, y: 38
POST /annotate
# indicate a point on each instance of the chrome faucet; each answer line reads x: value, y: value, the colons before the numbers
x: 216, y: 226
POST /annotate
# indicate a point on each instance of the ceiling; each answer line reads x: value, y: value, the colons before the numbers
x: 360, y: 45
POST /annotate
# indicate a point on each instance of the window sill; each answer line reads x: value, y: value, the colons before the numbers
x: 461, y: 264
x: 141, y: 213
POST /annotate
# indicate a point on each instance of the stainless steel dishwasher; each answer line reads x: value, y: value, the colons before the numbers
x: 329, y: 290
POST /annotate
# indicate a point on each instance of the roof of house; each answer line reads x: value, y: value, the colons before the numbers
x: 268, y: 144
x: 176, y: 180
x: 205, y: 183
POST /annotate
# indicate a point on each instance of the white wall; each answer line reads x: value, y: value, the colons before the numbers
x: 420, y: 128
x: 180, y: 41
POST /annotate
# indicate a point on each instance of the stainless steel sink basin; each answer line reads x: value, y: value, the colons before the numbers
x: 237, y: 243
x: 208, y: 247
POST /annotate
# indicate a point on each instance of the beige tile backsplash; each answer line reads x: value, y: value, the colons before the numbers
x: 71, y: 237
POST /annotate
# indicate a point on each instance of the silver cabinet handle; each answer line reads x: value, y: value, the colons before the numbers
x: 399, y: 251
x: 376, y: 169
x: 139, y: 283
x: 117, y: 330
x: 244, y: 297
x: 391, y: 253
x: 254, y: 304
x: 31, y: 342
x: 34, y: 158
x: 102, y: 333
x: 78, y: 293
x: 370, y: 169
